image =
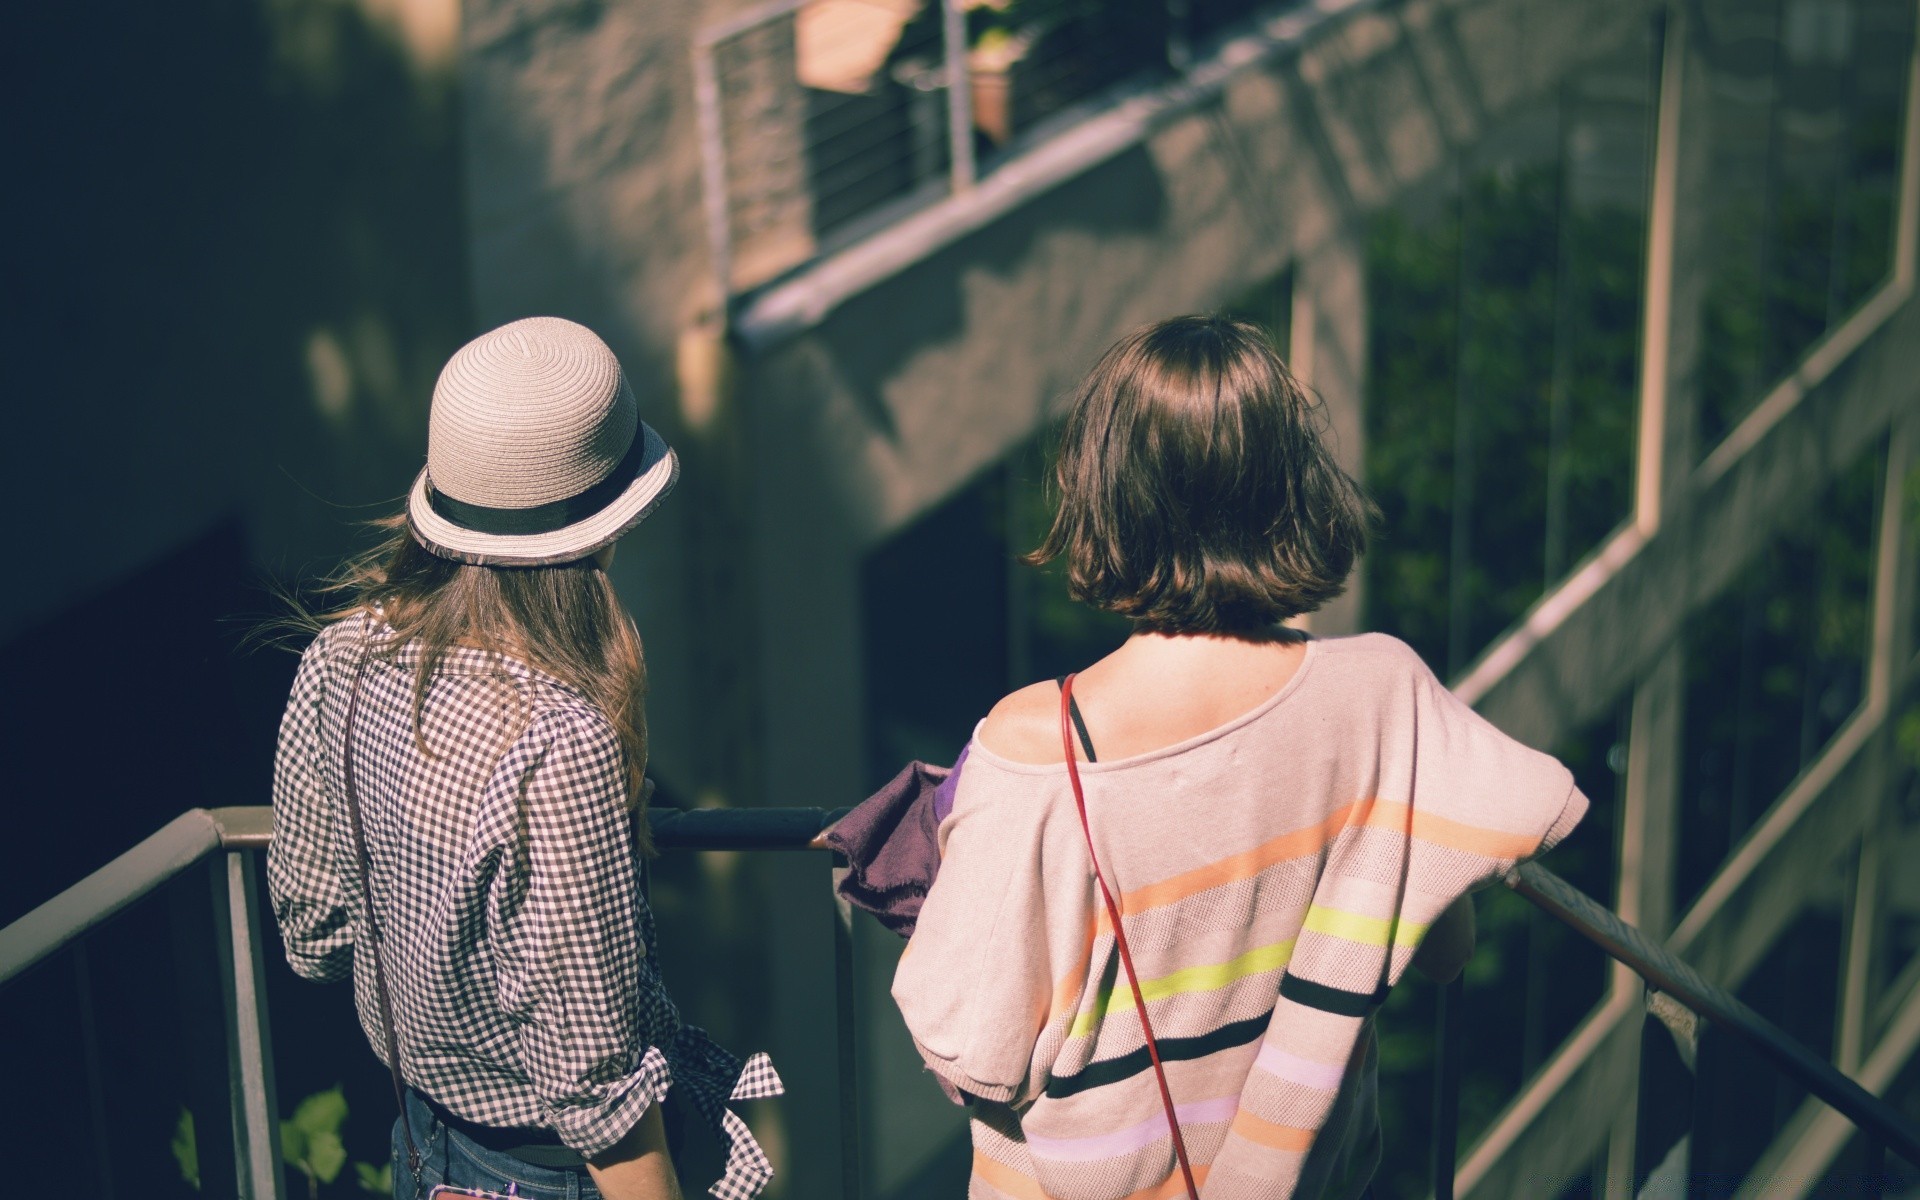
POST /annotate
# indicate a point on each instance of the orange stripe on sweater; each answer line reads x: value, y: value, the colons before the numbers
x: 1270, y: 1135
x: 1003, y: 1178
x: 1455, y: 835
x: 1236, y: 867
x: 1172, y: 1185
x: 1371, y: 813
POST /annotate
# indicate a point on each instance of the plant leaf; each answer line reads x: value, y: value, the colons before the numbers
x: 293, y: 1144
x: 377, y: 1180
x: 325, y: 1155
x: 186, y: 1148
x: 322, y: 1112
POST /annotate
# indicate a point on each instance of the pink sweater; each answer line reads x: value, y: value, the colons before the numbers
x: 1275, y: 876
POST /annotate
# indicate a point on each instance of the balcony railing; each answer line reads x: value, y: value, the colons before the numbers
x: 226, y: 840
x: 823, y: 120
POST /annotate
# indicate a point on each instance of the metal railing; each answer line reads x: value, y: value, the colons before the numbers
x: 227, y: 838
x: 823, y: 120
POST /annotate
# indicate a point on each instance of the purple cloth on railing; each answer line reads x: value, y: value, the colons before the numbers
x: 943, y: 795
x: 891, y: 843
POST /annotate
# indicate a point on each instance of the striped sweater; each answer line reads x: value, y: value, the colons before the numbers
x: 1275, y: 876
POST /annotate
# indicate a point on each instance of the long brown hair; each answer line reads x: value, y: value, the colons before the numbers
x: 565, y: 620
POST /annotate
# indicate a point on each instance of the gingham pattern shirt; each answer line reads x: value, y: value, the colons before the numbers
x: 505, y: 883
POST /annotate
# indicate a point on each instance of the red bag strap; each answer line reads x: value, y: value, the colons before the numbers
x: 1120, y: 937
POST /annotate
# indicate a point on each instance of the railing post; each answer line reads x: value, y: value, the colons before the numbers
x: 1446, y: 1089
x: 90, y: 1061
x: 1873, y: 1168
x: 1179, y: 39
x: 713, y: 177
x: 1669, y: 1045
x: 1705, y: 1179
x: 256, y: 1126
x: 846, y: 1032
x: 953, y: 34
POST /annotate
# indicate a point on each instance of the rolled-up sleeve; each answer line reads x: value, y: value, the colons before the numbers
x: 565, y: 917
x: 309, y: 897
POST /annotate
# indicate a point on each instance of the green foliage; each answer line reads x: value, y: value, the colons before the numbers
x: 1504, y: 347
x: 186, y: 1148
x: 310, y: 1139
x: 1907, y: 736
x: 1775, y: 664
x: 310, y: 1142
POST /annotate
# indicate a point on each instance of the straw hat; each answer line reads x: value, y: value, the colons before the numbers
x: 536, y: 452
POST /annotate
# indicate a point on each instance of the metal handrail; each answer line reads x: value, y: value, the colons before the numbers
x: 195, y: 835
x: 1664, y: 972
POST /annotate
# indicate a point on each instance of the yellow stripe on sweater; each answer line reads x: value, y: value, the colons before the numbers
x: 1188, y: 979
x: 1368, y: 931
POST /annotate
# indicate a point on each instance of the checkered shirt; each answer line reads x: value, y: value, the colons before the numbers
x: 517, y: 942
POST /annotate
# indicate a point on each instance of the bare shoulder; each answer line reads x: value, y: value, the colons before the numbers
x: 1025, y: 726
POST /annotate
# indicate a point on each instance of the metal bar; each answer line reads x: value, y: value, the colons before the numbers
x: 194, y: 834
x: 741, y: 828
x: 244, y: 828
x: 200, y: 1032
x: 1179, y: 35
x: 1704, y: 1177
x: 953, y: 35
x: 1446, y: 1088
x: 1663, y: 1114
x: 713, y: 177
x: 256, y: 1127
x: 1873, y: 1169
x: 754, y: 17
x: 1666, y: 973
x: 846, y: 1031
x: 1656, y: 331
x: 177, y: 845
x: 103, y: 1142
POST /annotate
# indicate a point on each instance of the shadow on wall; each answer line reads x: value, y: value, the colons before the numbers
x: 236, y: 260
x: 927, y: 308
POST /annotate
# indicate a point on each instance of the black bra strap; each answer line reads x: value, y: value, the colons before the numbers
x: 1079, y: 722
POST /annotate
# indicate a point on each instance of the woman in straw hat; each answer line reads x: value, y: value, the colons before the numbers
x: 455, y: 792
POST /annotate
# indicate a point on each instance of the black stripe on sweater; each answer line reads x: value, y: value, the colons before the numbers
x: 1113, y: 1070
x: 1334, y: 1000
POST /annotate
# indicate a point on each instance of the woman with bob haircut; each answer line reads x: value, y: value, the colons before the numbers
x: 1282, y: 824
x: 458, y: 793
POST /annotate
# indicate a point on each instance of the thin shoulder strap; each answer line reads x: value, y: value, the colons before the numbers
x: 373, y: 926
x: 1079, y: 722
x: 1068, y: 713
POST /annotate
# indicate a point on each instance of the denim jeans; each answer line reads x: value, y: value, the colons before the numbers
x: 452, y: 1158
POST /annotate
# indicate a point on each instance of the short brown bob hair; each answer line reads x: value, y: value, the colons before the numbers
x: 1196, y: 495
